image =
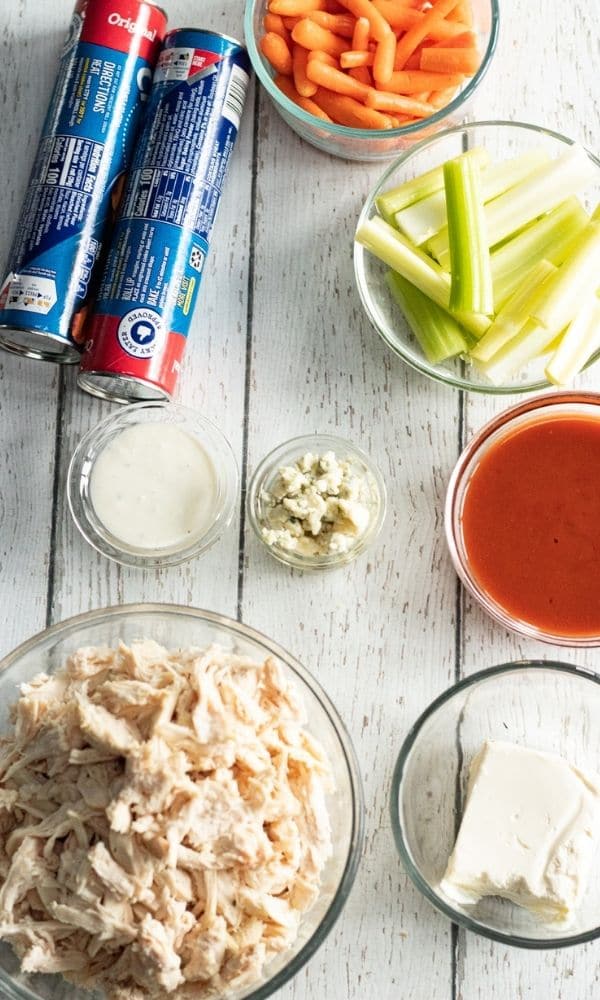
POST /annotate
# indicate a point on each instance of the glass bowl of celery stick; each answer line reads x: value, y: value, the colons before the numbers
x: 477, y: 257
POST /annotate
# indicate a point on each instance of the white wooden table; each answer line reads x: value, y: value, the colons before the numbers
x: 280, y: 347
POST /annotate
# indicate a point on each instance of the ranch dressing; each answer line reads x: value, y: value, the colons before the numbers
x: 154, y: 487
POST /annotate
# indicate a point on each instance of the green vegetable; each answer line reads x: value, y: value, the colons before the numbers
x: 420, y: 187
x: 565, y: 290
x: 550, y: 238
x: 581, y: 340
x: 529, y: 343
x: 422, y: 220
x: 471, y: 283
x: 398, y: 253
x: 513, y: 316
x: 539, y: 193
x: 437, y: 332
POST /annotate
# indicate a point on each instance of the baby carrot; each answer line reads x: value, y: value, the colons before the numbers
x: 466, y: 40
x: 353, y: 60
x: 383, y: 64
x: 274, y: 23
x: 450, y: 60
x: 287, y: 87
x: 340, y: 24
x: 360, y: 35
x: 414, y: 36
x: 415, y: 81
x: 361, y: 73
x: 291, y: 22
x: 274, y: 48
x: 295, y: 8
x: 323, y: 57
x: 382, y: 100
x: 379, y: 27
x: 346, y: 111
x: 304, y: 86
x: 334, y: 79
x: 312, y: 36
x: 402, y: 18
x: 462, y: 12
x: 440, y: 98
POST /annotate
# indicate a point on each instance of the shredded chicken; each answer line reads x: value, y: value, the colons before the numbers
x: 163, y: 821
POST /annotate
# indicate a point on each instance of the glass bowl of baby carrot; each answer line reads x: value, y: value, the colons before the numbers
x: 477, y: 257
x: 364, y: 79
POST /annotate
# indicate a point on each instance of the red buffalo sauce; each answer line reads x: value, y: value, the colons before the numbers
x: 531, y: 524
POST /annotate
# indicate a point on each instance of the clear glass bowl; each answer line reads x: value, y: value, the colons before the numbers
x: 216, y: 447
x: 370, y: 144
x: 530, y: 411
x: 289, y: 452
x: 174, y: 627
x: 503, y: 140
x: 544, y: 705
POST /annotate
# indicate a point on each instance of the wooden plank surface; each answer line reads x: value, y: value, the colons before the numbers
x: 280, y: 347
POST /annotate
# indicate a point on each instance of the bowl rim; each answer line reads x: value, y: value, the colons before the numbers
x: 421, y: 365
x: 318, y: 936
x: 469, y: 923
x: 528, y: 411
x: 344, y: 131
x: 339, y: 445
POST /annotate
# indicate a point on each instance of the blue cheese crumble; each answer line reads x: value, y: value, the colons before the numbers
x: 317, y: 506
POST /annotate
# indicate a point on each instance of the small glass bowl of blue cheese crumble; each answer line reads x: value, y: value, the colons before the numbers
x: 316, y: 502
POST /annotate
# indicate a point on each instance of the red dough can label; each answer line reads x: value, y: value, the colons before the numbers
x: 161, y: 240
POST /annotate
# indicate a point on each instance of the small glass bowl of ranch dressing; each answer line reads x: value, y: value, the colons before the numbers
x: 153, y: 485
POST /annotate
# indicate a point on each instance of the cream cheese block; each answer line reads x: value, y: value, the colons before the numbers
x: 529, y: 832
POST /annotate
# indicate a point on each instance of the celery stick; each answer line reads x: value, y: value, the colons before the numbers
x: 540, y: 192
x: 426, y: 217
x: 471, y: 276
x: 397, y: 252
x: 529, y: 343
x: 581, y: 340
x: 547, y: 238
x: 515, y: 313
x: 439, y: 335
x: 566, y: 289
x: 420, y: 187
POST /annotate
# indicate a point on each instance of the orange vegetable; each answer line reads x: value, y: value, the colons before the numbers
x: 376, y: 64
x: 334, y: 79
x: 379, y: 27
x: 352, y: 60
x: 416, y: 81
x: 274, y: 23
x: 385, y: 53
x: 287, y: 87
x: 450, y: 60
x: 295, y: 8
x: 347, y: 111
x: 361, y: 73
x: 274, y: 48
x: 312, y: 36
x: 340, y: 24
x: 382, y: 100
x: 324, y: 58
x: 414, y: 36
x: 303, y: 85
x: 360, y: 35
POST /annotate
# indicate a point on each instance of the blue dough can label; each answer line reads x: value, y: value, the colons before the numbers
x: 104, y: 79
x: 162, y: 236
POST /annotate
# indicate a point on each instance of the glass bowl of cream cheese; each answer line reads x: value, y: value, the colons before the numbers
x: 316, y: 502
x: 495, y: 804
x: 155, y: 484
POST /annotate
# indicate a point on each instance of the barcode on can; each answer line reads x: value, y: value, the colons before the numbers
x: 233, y: 104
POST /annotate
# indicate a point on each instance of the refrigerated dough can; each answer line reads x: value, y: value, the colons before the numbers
x: 149, y: 287
x: 104, y: 79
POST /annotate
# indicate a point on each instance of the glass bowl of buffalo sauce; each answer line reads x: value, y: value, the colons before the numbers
x: 523, y: 518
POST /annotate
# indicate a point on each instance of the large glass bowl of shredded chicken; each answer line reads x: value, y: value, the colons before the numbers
x: 180, y: 810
